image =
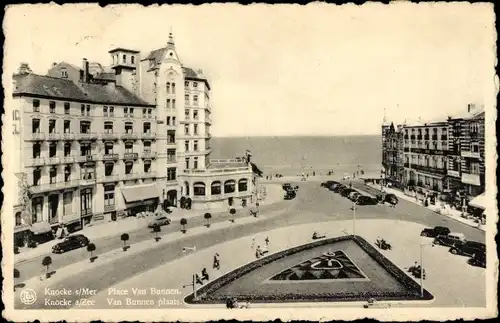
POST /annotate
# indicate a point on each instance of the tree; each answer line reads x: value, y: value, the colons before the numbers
x: 91, y: 248
x: 232, y: 212
x: 207, y: 217
x: 46, y: 262
x: 156, y: 230
x: 124, y: 237
x: 184, y: 223
x: 25, y: 200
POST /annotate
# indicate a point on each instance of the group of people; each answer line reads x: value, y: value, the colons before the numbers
x: 260, y: 251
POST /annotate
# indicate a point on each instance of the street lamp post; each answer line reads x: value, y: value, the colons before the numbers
x: 353, y: 219
x: 193, y: 283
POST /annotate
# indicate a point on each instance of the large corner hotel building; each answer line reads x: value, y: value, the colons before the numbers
x: 95, y: 143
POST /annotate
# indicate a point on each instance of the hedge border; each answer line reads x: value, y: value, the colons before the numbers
x: 412, y: 291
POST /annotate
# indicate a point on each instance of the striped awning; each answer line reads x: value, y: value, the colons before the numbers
x: 140, y: 192
x: 40, y: 227
x: 479, y: 201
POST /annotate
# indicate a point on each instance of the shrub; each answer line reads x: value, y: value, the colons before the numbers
x: 46, y: 262
x: 124, y: 237
x: 156, y: 230
x: 207, y: 217
x: 91, y: 248
x: 232, y: 211
x: 183, y: 224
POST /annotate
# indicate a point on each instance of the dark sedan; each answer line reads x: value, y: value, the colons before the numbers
x: 434, y: 232
x: 72, y: 242
x: 468, y: 248
x: 366, y: 200
x: 346, y: 192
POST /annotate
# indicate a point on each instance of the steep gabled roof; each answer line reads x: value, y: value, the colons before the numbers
x: 62, y: 89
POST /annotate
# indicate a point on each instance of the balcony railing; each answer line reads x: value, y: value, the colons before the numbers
x: 38, y: 136
x: 428, y: 169
x: 108, y: 179
x: 36, y: 162
x: 108, y: 136
x: 53, y: 187
x: 171, y: 159
x: 87, y: 181
x: 129, y: 136
x: 67, y: 159
x: 149, y: 154
x: 85, y: 158
x: 68, y: 136
x: 110, y: 157
x: 149, y: 175
x: 470, y: 154
x: 87, y: 136
x: 148, y: 135
x: 131, y: 176
x: 52, y: 161
x: 54, y: 136
x: 453, y: 173
x: 130, y: 155
x: 472, y: 179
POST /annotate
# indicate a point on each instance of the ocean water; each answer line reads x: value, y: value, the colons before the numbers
x: 291, y: 155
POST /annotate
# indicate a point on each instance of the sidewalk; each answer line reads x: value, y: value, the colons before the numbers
x: 98, y: 230
x: 39, y: 282
x: 445, y: 209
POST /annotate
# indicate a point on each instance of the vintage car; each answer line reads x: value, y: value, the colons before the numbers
x: 69, y: 243
x: 450, y: 239
x: 434, y: 232
x: 468, y: 248
x: 159, y: 220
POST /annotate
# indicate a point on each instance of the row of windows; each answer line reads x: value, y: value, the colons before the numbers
x: 195, y: 129
x: 215, y: 187
x: 86, y: 125
x: 37, y: 206
x: 116, y: 59
x: 187, y: 99
x: 86, y: 149
x: 86, y: 109
x: 434, y: 131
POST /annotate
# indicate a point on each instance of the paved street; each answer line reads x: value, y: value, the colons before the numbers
x: 313, y: 204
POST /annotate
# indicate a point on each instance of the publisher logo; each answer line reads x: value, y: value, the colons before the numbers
x: 28, y: 296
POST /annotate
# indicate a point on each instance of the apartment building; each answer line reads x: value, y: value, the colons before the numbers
x: 445, y: 157
x: 392, y: 153
x: 96, y: 146
x: 425, y: 152
x: 87, y: 151
x: 182, y: 97
x: 466, y: 163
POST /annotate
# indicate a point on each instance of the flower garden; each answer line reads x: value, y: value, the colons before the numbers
x: 299, y: 275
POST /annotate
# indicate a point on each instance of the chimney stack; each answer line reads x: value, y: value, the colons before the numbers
x: 85, y: 68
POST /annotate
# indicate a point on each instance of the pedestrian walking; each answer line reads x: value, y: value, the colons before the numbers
x: 216, y: 261
x: 267, y: 241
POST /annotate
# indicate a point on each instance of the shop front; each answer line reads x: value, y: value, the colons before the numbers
x: 140, y: 198
x: 477, y: 206
x: 41, y: 232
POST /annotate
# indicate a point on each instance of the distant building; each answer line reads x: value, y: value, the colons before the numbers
x: 440, y: 158
x: 392, y: 154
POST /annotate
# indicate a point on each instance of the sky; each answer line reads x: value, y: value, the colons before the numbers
x: 286, y: 69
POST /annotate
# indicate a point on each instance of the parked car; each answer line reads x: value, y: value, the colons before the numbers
x: 478, y: 259
x: 450, y: 239
x: 345, y: 192
x: 468, y: 248
x: 353, y: 196
x: 289, y: 195
x: 72, y: 242
x: 434, y: 232
x: 159, y: 220
x: 287, y: 186
x: 339, y: 188
x: 366, y: 200
x: 328, y: 183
